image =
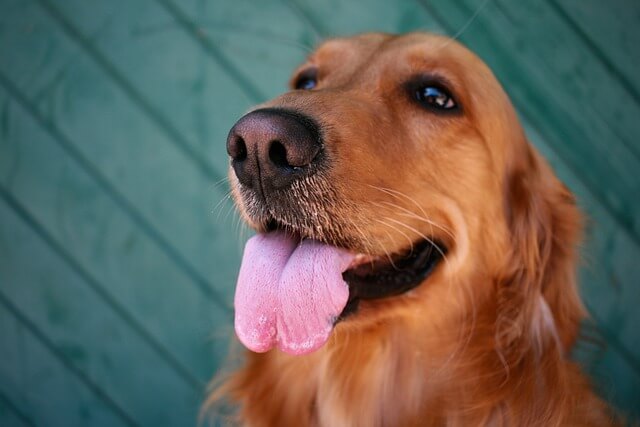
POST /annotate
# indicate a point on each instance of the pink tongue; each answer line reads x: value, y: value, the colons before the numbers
x: 289, y: 294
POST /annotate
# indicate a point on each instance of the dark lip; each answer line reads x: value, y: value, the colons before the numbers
x: 393, y: 276
x: 272, y: 224
x: 387, y: 276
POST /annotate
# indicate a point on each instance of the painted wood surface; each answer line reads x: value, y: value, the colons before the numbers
x: 119, y: 247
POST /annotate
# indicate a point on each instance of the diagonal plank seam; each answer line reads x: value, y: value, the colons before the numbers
x: 614, y: 342
x: 100, y: 290
x: 597, y: 51
x: 609, y: 67
x: 138, y: 99
x: 249, y: 89
x: 69, y: 147
x: 318, y: 29
x: 51, y: 347
x: 15, y: 410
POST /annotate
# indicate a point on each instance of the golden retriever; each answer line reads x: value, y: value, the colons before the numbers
x: 415, y: 263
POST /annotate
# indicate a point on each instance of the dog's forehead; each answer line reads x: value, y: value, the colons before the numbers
x: 413, y: 50
x: 351, y: 49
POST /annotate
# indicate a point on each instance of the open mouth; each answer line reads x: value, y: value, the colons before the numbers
x: 391, y: 275
x: 371, y: 277
x: 292, y: 290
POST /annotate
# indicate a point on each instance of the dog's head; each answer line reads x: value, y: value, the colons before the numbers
x: 404, y: 154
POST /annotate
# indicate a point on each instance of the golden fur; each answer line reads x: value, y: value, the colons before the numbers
x: 484, y: 340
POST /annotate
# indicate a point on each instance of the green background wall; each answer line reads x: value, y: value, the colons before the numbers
x: 118, y: 245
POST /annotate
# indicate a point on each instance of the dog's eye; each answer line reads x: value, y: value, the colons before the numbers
x: 306, y: 84
x: 435, y: 97
x: 307, y: 80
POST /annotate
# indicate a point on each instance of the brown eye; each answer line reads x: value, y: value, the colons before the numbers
x: 307, y: 80
x: 435, y: 97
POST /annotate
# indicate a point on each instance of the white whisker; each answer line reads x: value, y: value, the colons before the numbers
x: 397, y: 194
x: 469, y: 21
x: 366, y: 239
x: 423, y: 236
x: 218, y: 207
x: 221, y: 181
x: 385, y: 249
x: 398, y: 230
x: 408, y: 213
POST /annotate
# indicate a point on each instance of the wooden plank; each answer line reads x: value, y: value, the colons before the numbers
x: 612, y: 376
x: 612, y: 31
x: 88, y: 333
x: 40, y: 388
x: 86, y: 43
x: 93, y: 229
x: 201, y: 98
x: 168, y: 195
x: 10, y: 414
x: 254, y: 39
x: 336, y: 17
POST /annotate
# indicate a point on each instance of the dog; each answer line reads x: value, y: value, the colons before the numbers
x: 415, y: 262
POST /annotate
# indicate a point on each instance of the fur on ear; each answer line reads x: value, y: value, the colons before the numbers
x: 537, y: 294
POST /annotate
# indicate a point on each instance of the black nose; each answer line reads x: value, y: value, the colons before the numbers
x: 270, y: 148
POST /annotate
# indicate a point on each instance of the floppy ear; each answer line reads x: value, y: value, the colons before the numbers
x: 537, y: 294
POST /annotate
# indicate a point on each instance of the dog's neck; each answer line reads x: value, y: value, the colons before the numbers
x: 412, y: 377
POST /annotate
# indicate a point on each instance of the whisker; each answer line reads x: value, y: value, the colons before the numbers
x: 366, y: 240
x: 466, y: 331
x: 221, y: 205
x: 464, y: 27
x: 232, y: 209
x: 408, y: 213
x: 423, y: 236
x: 221, y: 181
x: 397, y: 194
x: 424, y: 217
x: 238, y: 226
x: 384, y: 248
x: 398, y: 230
x: 469, y: 21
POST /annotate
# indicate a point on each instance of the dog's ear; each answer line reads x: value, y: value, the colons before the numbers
x: 537, y: 293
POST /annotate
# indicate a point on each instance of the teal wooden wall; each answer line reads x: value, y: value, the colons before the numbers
x: 118, y: 244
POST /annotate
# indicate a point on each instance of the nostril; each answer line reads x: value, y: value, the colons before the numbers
x: 271, y: 148
x: 239, y: 152
x: 278, y: 154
